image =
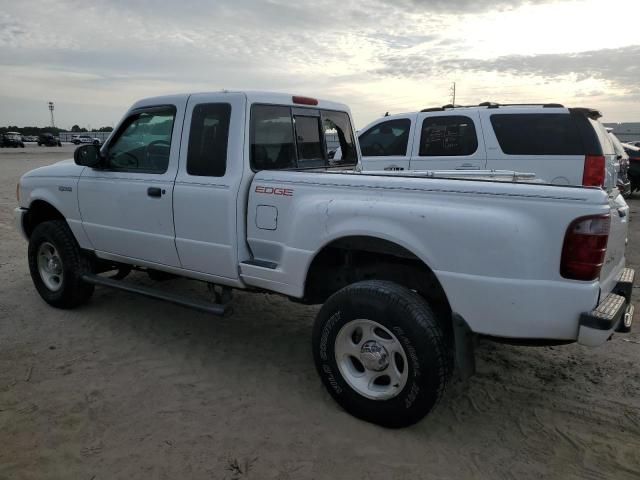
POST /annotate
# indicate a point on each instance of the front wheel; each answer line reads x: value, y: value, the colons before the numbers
x: 57, y: 264
x: 381, y: 353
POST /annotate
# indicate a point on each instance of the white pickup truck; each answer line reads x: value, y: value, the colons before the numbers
x: 235, y: 189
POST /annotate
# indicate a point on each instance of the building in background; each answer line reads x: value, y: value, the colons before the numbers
x: 626, y: 132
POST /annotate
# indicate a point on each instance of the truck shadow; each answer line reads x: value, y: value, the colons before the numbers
x: 558, y: 410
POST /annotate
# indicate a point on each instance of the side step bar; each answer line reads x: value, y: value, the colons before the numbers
x: 213, y: 308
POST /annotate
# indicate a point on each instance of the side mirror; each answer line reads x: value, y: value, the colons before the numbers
x: 88, y: 156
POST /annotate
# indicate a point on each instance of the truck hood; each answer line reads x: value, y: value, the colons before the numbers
x: 64, y: 168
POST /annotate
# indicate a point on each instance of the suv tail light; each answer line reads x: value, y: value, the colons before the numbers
x: 593, y: 175
x: 585, y: 246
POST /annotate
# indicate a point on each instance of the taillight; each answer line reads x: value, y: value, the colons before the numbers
x: 585, y: 246
x: 593, y: 175
x: 304, y: 100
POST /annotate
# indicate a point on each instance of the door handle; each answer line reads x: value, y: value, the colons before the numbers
x: 466, y: 166
x: 154, y: 192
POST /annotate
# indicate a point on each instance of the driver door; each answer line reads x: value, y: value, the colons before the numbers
x: 127, y: 207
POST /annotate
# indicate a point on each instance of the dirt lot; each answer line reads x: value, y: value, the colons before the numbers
x: 127, y: 387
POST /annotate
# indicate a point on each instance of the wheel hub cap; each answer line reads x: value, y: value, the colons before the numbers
x: 374, y: 356
x: 50, y: 266
x: 371, y: 359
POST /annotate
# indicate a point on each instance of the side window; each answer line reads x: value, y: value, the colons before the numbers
x: 336, y: 125
x: 448, y: 136
x: 386, y: 138
x: 208, y: 138
x: 272, y: 143
x: 538, y: 134
x: 309, y: 142
x: 144, y: 142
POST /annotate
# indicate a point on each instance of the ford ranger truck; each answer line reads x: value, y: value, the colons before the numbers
x: 235, y: 189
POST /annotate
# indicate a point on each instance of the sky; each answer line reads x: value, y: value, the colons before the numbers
x: 94, y: 59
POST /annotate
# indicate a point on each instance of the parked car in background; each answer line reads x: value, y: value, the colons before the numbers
x: 49, y: 140
x: 29, y: 138
x: 634, y: 165
x: 564, y: 146
x: 78, y: 139
x: 624, y: 184
x: 11, y: 139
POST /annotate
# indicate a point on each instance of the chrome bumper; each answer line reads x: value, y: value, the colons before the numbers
x: 613, y: 313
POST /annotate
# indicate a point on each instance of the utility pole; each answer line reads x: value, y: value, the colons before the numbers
x: 452, y: 92
x: 53, y: 123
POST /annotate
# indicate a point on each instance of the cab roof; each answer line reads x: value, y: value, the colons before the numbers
x: 251, y: 96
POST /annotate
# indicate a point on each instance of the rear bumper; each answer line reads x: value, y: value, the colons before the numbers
x: 624, y: 187
x: 614, y: 312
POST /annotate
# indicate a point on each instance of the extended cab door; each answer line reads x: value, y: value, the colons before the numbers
x: 126, y: 206
x: 448, y: 140
x: 386, y: 144
x: 208, y: 182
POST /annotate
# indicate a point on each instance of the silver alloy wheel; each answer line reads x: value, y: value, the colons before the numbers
x: 371, y: 359
x: 50, y: 266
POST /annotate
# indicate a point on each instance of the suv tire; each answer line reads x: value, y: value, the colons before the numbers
x: 373, y: 327
x: 57, y: 264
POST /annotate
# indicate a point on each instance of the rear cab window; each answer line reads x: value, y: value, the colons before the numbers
x: 284, y: 137
x: 208, y: 139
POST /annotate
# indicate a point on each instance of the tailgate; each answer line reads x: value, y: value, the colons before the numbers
x: 615, y: 259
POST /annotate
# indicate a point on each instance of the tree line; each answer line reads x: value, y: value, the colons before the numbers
x: 40, y: 130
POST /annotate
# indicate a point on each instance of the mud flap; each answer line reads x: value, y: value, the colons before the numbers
x: 464, y: 343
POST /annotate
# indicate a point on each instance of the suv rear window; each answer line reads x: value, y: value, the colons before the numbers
x: 537, y: 134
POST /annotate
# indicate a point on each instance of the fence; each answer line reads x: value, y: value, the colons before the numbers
x: 102, y: 136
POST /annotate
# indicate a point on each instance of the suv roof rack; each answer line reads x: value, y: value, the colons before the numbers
x: 493, y: 105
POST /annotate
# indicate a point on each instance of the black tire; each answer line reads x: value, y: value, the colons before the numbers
x: 410, y: 318
x: 73, y: 291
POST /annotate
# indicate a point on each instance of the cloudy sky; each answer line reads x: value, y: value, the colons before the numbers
x: 93, y: 59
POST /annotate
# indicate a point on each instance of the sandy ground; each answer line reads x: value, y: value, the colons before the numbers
x: 128, y: 387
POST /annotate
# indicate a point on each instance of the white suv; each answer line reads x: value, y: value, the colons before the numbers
x: 566, y: 146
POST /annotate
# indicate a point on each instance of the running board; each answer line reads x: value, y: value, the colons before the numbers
x: 214, y: 308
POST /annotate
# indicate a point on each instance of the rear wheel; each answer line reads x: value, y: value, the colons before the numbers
x: 57, y: 264
x: 381, y: 353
